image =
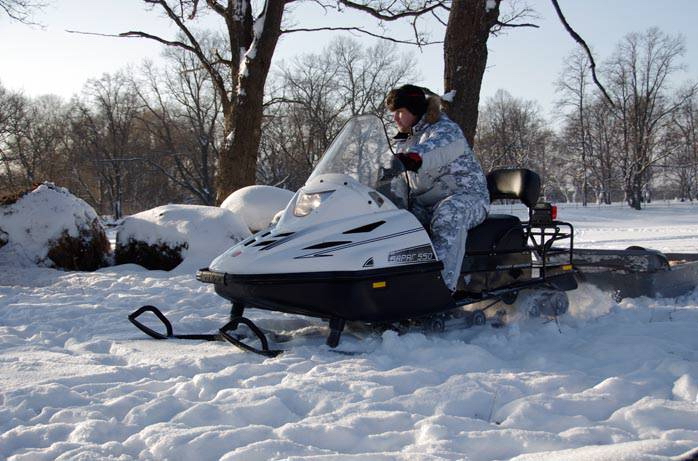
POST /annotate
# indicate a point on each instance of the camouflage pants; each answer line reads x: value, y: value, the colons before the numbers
x: 448, y: 222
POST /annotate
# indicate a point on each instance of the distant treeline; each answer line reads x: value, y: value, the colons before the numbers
x: 132, y: 141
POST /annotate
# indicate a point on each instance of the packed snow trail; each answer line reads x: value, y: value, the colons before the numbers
x: 611, y: 381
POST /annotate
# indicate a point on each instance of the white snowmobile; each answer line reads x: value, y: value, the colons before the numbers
x: 347, y: 249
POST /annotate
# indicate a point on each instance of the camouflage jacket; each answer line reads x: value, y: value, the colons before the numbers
x: 449, y: 165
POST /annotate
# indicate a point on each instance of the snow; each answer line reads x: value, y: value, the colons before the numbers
x: 37, y: 218
x: 207, y: 231
x: 448, y: 97
x: 251, y: 53
x: 257, y: 205
x: 612, y: 381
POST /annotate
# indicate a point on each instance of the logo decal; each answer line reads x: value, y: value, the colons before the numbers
x: 420, y: 254
x: 368, y: 263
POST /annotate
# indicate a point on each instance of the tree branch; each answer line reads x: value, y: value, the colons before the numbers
x: 508, y: 24
x: 194, y: 47
x: 21, y: 10
x: 577, y: 38
x: 139, y: 34
x: 384, y: 14
x: 217, y: 7
x: 439, y: 19
x: 362, y: 31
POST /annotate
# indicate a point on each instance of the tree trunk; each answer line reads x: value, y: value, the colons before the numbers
x: 237, y: 166
x: 634, y: 192
x: 465, y: 59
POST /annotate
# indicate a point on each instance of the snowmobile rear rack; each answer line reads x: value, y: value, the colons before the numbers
x: 222, y: 335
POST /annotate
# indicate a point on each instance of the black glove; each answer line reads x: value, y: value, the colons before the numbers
x: 411, y: 160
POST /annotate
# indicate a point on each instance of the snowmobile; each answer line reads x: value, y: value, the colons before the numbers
x: 346, y: 249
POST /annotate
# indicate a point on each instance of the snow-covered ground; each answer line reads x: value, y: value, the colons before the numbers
x: 612, y: 381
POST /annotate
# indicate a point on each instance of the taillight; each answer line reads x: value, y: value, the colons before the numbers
x: 553, y: 212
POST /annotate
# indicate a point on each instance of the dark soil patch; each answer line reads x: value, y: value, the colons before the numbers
x: 87, y: 252
x: 150, y: 256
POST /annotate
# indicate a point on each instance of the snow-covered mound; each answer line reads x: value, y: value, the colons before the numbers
x: 172, y: 234
x: 257, y: 204
x: 50, y: 227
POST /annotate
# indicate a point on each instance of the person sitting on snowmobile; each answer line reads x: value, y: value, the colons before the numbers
x: 448, y: 188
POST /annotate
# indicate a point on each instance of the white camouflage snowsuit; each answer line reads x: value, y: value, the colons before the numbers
x: 449, y: 191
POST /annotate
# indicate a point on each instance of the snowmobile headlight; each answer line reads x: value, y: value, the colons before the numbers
x: 308, y: 202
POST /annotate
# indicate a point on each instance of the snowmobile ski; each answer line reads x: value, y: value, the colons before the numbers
x: 222, y: 335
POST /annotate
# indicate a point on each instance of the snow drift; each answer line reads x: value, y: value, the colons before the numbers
x: 50, y: 227
x: 257, y: 205
x: 164, y: 237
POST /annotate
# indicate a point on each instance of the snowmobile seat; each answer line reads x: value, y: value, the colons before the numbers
x: 514, y: 183
x: 498, y: 233
x: 502, y: 232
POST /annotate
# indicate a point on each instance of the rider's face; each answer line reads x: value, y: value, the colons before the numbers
x: 404, y: 119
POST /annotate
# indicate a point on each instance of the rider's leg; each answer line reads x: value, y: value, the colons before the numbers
x: 452, y: 218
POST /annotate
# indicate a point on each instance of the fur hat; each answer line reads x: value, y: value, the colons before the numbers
x: 419, y: 101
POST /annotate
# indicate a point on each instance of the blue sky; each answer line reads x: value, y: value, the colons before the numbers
x: 524, y: 62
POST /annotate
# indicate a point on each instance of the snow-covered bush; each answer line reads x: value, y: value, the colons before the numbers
x: 164, y: 237
x: 48, y: 226
x: 257, y: 205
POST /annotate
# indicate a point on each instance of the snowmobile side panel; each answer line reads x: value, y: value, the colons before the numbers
x: 375, y: 295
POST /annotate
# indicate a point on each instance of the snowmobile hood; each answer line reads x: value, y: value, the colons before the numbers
x: 352, y: 227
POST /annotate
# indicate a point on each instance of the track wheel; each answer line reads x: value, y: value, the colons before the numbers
x: 436, y: 325
x: 479, y: 318
x: 499, y: 319
x: 534, y: 311
x: 510, y: 297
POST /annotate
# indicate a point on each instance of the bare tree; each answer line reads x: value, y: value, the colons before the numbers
x: 604, y: 131
x: 470, y: 23
x: 680, y: 142
x: 21, y: 10
x: 12, y: 114
x: 239, y: 72
x: 104, y: 136
x: 573, y: 86
x: 182, y: 112
x: 639, y: 75
x: 37, y: 140
x: 316, y: 94
x: 511, y: 133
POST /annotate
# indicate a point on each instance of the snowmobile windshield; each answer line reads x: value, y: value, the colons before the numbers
x: 361, y: 150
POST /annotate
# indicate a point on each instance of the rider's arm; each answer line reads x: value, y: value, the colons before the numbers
x: 444, y: 143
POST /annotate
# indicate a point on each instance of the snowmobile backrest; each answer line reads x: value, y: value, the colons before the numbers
x: 514, y: 183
